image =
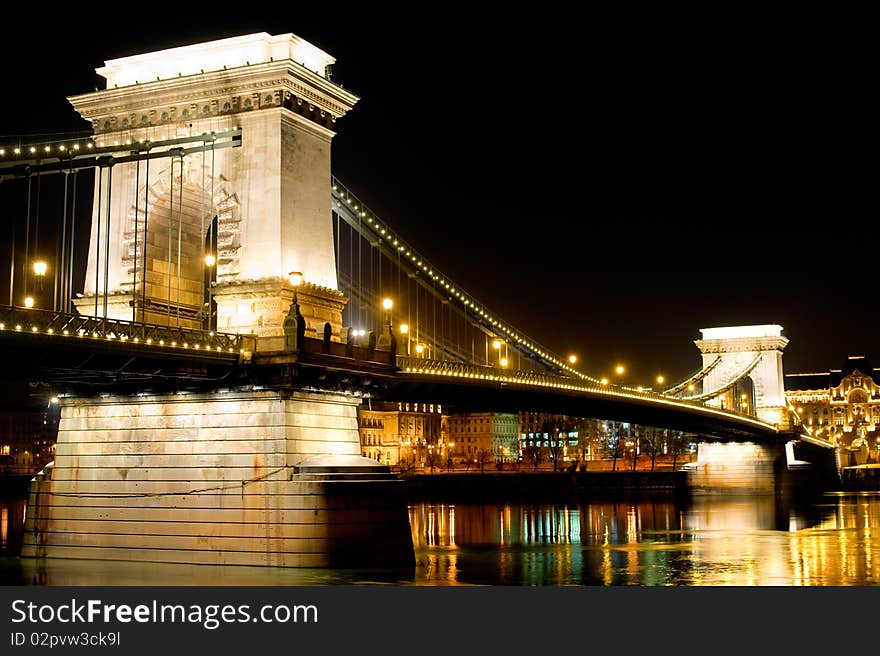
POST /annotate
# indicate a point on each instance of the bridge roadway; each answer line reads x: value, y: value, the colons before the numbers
x: 85, y: 355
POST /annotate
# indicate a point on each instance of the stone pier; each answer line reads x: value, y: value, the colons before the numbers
x: 795, y: 467
x: 231, y: 478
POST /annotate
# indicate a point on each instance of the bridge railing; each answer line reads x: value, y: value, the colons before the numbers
x: 410, y: 365
x: 66, y: 325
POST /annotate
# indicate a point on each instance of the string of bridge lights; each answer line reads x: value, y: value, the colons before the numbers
x: 420, y: 262
x: 468, y: 302
x: 68, y: 148
x: 121, y: 337
x: 438, y: 369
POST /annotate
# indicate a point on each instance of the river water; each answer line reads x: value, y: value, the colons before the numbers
x: 710, y: 542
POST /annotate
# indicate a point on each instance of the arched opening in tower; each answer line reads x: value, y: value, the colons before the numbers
x: 176, y: 273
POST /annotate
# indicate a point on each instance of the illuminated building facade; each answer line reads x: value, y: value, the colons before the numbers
x: 842, y: 406
x: 406, y: 434
x: 556, y: 436
x: 27, y: 441
x: 486, y: 436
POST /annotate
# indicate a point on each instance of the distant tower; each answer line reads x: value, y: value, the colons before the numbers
x: 739, y: 347
x: 267, y: 202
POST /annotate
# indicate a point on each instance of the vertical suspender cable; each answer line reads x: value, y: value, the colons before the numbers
x: 12, y: 267
x: 60, y: 253
x: 214, y: 250
x: 203, y: 263
x: 144, y: 264
x: 360, y: 278
x: 36, y: 222
x: 69, y: 292
x: 338, y: 252
x: 179, y: 236
x: 98, y: 237
x: 351, y: 320
x: 170, y: 218
x: 137, y: 186
x: 107, y: 242
x: 27, y: 230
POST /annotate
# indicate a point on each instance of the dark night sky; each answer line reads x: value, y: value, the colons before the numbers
x: 619, y: 181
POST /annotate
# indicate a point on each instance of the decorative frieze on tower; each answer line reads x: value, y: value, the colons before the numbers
x: 261, y: 210
x: 755, y: 349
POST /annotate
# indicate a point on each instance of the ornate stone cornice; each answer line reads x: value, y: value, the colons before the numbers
x: 739, y: 345
x: 284, y: 75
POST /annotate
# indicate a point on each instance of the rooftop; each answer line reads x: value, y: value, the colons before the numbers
x: 233, y: 52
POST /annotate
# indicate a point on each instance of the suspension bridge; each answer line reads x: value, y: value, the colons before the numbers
x: 211, y: 305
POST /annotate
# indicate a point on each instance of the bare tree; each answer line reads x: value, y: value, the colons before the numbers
x: 532, y: 453
x: 615, y: 442
x: 651, y: 441
x: 553, y: 429
x: 483, y: 456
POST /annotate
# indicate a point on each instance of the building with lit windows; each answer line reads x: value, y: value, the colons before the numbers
x: 483, y: 436
x: 549, y: 436
x: 405, y: 434
x: 27, y: 441
x: 842, y: 406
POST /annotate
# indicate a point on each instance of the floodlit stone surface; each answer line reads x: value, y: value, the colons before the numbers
x: 213, y: 478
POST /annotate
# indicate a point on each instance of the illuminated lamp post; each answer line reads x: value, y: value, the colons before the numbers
x: 210, y: 261
x: 294, y: 322
x: 404, y: 330
x: 40, y: 267
x: 502, y: 359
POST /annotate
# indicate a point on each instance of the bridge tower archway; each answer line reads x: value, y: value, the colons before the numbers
x: 749, y: 376
x: 275, y: 93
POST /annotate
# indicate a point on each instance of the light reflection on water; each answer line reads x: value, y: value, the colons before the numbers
x: 750, y: 541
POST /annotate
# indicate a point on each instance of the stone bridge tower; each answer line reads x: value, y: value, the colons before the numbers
x: 753, y: 349
x: 265, y: 205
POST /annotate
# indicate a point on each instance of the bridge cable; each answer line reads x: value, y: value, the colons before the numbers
x: 37, y: 221
x: 107, y: 242
x: 179, y: 235
x: 146, y: 243
x: 170, y: 232
x: 58, y: 287
x: 137, y: 196
x: 27, y: 230
x: 98, y: 236
x: 69, y: 292
x: 203, y: 263
x: 211, y: 238
x: 12, y: 266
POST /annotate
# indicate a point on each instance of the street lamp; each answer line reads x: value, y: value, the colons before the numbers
x: 572, y: 359
x: 497, y: 344
x: 210, y: 261
x: 40, y: 268
x: 296, y: 279
x: 404, y: 330
x: 297, y: 322
x: 660, y: 380
x: 387, y: 304
x: 29, y: 301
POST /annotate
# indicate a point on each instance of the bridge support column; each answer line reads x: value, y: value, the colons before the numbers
x: 231, y: 478
x: 738, y: 468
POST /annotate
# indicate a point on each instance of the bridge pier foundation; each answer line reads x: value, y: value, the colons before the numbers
x: 225, y: 478
x: 737, y: 468
x: 792, y: 469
